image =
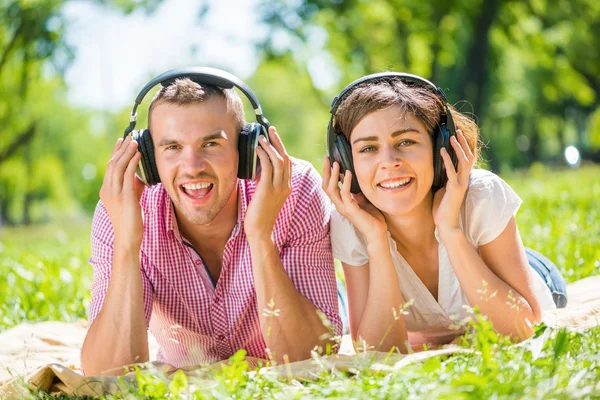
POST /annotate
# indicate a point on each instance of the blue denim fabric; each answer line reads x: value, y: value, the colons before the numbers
x: 343, y: 306
x: 551, y: 276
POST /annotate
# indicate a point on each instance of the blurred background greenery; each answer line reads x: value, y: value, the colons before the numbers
x: 528, y: 71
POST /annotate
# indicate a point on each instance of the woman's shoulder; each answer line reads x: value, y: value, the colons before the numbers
x: 488, y: 206
x: 485, y: 185
x: 347, y: 243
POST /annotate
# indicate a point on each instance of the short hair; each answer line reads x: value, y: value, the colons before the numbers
x: 417, y: 100
x: 185, y: 91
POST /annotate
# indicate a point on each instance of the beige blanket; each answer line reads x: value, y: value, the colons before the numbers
x: 46, y: 355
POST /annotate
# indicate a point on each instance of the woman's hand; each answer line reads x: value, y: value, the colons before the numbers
x: 448, y: 200
x: 369, y: 221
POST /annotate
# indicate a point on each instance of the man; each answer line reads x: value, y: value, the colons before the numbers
x: 208, y: 262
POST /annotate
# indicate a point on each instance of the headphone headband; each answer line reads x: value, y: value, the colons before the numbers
x: 201, y: 75
x: 408, y: 78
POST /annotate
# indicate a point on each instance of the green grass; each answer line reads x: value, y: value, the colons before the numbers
x: 45, y: 275
x: 560, y: 217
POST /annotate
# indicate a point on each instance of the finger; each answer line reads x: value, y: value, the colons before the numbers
x: 459, y: 150
x: 107, y: 174
x: 326, y: 173
x: 276, y: 141
x: 465, y: 145
x: 275, y: 158
x: 129, y: 175
x: 345, y: 189
x: 121, y: 150
x: 450, y: 171
x: 333, y: 190
x: 266, y: 168
x: 117, y: 146
x: 463, y: 161
x: 120, y: 164
x: 287, y: 172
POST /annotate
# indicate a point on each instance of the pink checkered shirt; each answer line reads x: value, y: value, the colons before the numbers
x: 195, y: 322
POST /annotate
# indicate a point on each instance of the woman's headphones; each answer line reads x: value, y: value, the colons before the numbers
x: 249, y: 134
x: 340, y: 150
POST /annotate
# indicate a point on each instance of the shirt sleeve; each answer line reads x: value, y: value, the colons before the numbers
x: 489, y: 204
x: 102, y: 243
x: 347, y: 243
x: 306, y: 255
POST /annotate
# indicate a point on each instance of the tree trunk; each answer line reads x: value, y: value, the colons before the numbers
x: 22, y: 140
x: 476, y: 74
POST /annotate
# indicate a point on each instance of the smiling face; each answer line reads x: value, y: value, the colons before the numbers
x: 393, y: 159
x: 197, y: 158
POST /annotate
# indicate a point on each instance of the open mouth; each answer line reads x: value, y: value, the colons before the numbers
x: 395, y: 184
x: 197, y: 191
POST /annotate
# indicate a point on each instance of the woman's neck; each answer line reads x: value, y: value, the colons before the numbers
x: 415, y: 231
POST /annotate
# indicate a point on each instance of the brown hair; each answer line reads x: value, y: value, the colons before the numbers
x: 417, y: 100
x: 185, y: 91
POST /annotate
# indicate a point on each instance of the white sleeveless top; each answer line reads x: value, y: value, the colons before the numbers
x: 486, y: 210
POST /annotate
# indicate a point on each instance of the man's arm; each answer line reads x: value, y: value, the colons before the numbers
x: 289, y: 321
x: 118, y: 334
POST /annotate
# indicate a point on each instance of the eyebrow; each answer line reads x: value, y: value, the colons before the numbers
x: 213, y: 136
x: 394, y: 134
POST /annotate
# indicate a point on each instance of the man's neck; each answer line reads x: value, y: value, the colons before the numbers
x: 215, y: 234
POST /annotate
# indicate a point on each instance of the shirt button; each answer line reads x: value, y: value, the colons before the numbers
x: 198, y: 262
x: 221, y: 337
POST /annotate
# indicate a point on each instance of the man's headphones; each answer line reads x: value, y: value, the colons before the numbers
x: 249, y: 134
x: 340, y: 150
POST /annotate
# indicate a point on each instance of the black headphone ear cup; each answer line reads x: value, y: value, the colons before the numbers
x: 249, y: 165
x: 342, y: 153
x: 148, y: 172
x: 439, y: 171
x: 442, y: 141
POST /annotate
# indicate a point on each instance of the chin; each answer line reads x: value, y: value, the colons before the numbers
x: 197, y: 218
x: 394, y: 207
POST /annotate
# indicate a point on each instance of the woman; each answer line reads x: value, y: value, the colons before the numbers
x: 426, y: 225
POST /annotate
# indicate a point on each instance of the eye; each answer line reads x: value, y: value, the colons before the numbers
x: 405, y: 142
x: 172, y: 147
x: 210, y: 144
x: 367, y: 149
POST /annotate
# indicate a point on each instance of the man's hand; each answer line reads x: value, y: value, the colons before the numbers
x: 273, y: 187
x: 121, y: 193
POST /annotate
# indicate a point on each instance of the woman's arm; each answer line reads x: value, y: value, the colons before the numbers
x: 507, y: 299
x: 507, y: 296
x: 373, y: 294
x: 373, y: 290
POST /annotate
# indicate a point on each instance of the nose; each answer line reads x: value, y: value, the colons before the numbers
x: 390, y: 158
x: 194, y: 162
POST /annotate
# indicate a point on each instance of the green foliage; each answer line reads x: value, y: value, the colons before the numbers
x: 52, y: 154
x: 528, y: 70
x: 295, y: 107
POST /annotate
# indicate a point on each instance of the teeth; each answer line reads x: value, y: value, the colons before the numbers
x: 394, y: 184
x: 197, y: 186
